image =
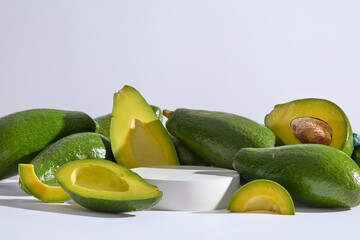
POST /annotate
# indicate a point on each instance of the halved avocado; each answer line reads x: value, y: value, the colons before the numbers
x: 106, y: 186
x: 311, y: 120
x: 32, y: 185
x: 137, y: 136
x: 262, y: 194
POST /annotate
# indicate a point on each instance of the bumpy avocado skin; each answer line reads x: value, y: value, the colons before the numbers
x: 356, y: 155
x: 217, y: 136
x: 78, y: 146
x: 24, y: 134
x: 113, y: 206
x: 186, y: 156
x: 314, y: 174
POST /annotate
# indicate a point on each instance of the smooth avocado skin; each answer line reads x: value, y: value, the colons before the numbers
x: 314, y: 174
x: 78, y: 146
x: 105, y: 121
x: 217, y: 136
x: 24, y: 134
x: 279, y: 121
x: 105, y: 186
x: 185, y: 155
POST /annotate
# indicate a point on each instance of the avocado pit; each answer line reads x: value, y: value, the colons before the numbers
x: 312, y: 130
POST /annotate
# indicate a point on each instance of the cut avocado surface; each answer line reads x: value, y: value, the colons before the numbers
x: 104, y: 121
x: 311, y: 120
x: 105, y: 186
x: 78, y: 146
x: 138, y: 138
x: 32, y: 185
x: 262, y: 194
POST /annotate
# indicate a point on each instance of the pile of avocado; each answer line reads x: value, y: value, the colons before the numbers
x: 305, y: 145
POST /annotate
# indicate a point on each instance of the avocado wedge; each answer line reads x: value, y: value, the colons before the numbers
x: 262, y: 194
x: 311, y: 120
x: 33, y: 186
x: 105, y: 186
x: 104, y: 121
x: 138, y: 138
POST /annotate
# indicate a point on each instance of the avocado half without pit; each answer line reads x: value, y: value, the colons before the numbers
x: 105, y: 186
x: 311, y: 120
x: 138, y: 138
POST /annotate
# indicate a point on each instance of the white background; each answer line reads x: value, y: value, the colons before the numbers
x: 234, y: 56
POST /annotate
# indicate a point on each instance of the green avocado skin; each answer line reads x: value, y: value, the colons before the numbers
x: 356, y: 155
x: 105, y: 120
x: 97, y: 203
x: 78, y: 146
x: 217, y: 136
x: 24, y: 134
x: 112, y: 206
x: 186, y: 156
x: 316, y: 175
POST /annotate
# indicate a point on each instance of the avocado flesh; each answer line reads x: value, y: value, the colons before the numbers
x: 104, y: 121
x: 279, y: 121
x: 314, y: 174
x: 106, y: 186
x: 217, y: 136
x: 78, y: 146
x: 32, y: 185
x: 138, y: 138
x: 262, y: 194
x: 24, y: 134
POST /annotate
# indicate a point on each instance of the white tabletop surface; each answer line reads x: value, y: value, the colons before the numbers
x: 234, y: 56
x: 23, y: 216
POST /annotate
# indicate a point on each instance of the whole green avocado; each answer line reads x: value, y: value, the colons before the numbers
x: 314, y: 174
x: 24, y: 134
x: 217, y: 136
x: 77, y: 146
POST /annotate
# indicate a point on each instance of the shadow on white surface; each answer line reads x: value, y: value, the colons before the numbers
x: 299, y: 208
x: 10, y: 188
x: 306, y: 209
x: 63, y: 208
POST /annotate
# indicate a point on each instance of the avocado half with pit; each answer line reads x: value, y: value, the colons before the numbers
x: 105, y: 186
x: 311, y: 120
x: 138, y: 138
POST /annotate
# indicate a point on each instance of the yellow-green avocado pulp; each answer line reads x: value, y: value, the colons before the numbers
x: 279, y: 121
x: 105, y: 186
